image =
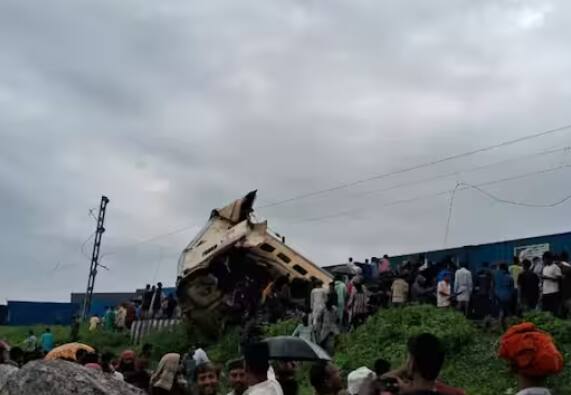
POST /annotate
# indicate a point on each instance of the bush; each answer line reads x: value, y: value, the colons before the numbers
x: 559, y: 329
x: 386, y: 333
x: 281, y: 328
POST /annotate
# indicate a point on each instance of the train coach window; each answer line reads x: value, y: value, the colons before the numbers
x: 266, y: 247
x: 209, y: 250
x: 300, y: 270
x: 284, y: 257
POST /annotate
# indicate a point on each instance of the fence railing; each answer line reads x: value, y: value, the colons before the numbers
x: 142, y: 328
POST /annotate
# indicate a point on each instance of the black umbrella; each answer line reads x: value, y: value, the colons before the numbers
x: 344, y: 270
x: 290, y: 348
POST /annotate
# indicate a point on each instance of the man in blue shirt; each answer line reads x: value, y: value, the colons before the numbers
x: 47, y: 341
x: 504, y: 291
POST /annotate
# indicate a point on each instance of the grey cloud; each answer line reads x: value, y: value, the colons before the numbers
x: 175, y: 108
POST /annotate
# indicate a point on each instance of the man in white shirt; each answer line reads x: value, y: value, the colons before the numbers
x: 551, y: 277
x: 200, y: 356
x: 463, y: 288
x: 257, y: 365
x: 443, y: 292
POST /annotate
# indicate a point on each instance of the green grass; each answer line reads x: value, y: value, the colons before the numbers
x: 103, y: 341
x: 15, y: 335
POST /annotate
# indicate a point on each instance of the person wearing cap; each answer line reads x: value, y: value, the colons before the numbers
x: 360, y: 381
x: 532, y: 355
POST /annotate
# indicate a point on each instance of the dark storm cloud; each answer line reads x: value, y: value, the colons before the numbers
x: 173, y: 108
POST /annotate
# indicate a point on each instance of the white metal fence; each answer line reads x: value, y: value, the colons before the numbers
x: 141, y: 328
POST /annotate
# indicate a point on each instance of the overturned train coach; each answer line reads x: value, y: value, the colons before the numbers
x: 231, y: 251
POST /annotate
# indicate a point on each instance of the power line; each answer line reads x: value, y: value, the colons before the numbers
x: 450, y: 207
x: 416, y: 167
x: 425, y: 196
x: 84, y: 244
x: 451, y: 174
x: 470, y: 170
x: 540, y: 153
x: 148, y: 240
x: 516, y: 203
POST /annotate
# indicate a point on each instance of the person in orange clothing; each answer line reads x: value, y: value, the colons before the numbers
x: 533, y: 357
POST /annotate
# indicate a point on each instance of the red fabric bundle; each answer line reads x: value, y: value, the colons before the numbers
x: 530, y: 350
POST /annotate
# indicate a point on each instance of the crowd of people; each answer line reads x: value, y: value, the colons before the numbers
x: 498, y: 290
x: 530, y: 353
x: 326, y: 310
x: 153, y: 304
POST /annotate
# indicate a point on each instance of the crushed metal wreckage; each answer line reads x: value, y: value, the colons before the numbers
x: 223, y: 270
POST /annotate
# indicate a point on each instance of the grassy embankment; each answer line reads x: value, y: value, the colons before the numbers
x: 471, y: 352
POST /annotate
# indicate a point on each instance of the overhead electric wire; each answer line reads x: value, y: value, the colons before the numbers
x: 425, y: 196
x: 450, y: 208
x: 416, y: 167
x: 84, y: 244
x: 516, y: 203
x: 148, y: 240
x: 458, y: 172
x: 400, y: 171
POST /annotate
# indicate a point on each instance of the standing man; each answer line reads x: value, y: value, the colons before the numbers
x: 109, y: 319
x: 515, y: 270
x: 565, y: 285
x: 120, y: 317
x: 94, y: 322
x: 463, y: 288
x: 384, y: 265
x: 325, y: 378
x: 504, y: 291
x: 551, y: 277
x: 200, y: 357
x: 30, y: 344
x: 341, y: 291
x: 443, y: 291
x: 171, y: 306
x: 399, y: 291
x: 157, y: 301
x: 237, y: 377
x: 131, y: 315
x: 146, y: 302
x: 75, y: 323
x: 47, y: 341
x: 528, y: 286
x: 537, y: 267
x: 354, y: 268
x: 317, y: 300
x: 257, y: 364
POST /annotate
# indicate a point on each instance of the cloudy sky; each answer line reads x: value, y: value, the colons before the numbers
x: 172, y: 108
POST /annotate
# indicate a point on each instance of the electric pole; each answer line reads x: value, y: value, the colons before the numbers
x: 94, y: 257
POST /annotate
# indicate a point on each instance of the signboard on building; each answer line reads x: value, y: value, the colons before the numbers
x: 531, y: 251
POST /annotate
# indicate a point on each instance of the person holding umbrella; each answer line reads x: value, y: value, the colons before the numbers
x: 257, y: 365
